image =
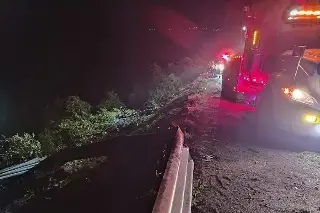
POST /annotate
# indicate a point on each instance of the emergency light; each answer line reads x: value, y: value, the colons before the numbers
x: 303, y: 14
x: 226, y: 57
x: 255, y: 39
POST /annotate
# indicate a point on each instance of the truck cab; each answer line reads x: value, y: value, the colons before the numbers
x: 278, y: 73
x: 270, y: 31
x: 289, y: 107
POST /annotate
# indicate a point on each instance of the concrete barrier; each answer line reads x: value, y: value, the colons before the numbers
x: 175, y: 193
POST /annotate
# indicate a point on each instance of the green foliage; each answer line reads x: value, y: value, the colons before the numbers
x: 111, y: 101
x: 51, y: 141
x: 71, y: 122
x: 19, y: 148
x: 76, y: 128
x: 83, y: 129
x: 83, y: 126
x: 75, y: 106
x: 129, y: 117
x: 62, y: 108
x: 165, y: 91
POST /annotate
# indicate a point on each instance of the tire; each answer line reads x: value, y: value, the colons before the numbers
x: 260, y: 124
x: 227, y: 93
x: 229, y: 96
x: 265, y: 122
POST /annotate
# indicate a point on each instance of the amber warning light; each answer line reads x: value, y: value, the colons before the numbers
x: 255, y: 39
x: 304, y: 14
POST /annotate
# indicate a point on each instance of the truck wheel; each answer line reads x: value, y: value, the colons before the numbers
x: 229, y: 95
x: 259, y: 125
x: 263, y: 124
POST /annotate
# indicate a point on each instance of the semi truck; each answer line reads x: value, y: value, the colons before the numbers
x: 278, y: 71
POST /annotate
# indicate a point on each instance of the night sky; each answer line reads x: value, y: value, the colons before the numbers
x: 60, y: 48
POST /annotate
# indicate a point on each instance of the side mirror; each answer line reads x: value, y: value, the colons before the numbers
x: 270, y: 64
x: 298, y: 51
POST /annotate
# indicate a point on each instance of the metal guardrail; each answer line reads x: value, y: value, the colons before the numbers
x: 175, y: 193
x: 19, y: 169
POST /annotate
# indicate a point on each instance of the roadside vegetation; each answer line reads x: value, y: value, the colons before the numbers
x: 82, y: 148
x: 72, y: 122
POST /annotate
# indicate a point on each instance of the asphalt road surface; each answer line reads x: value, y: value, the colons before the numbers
x: 234, y: 173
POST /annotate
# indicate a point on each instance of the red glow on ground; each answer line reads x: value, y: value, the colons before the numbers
x: 220, y: 112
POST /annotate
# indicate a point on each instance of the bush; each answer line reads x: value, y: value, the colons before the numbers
x: 75, y: 106
x: 111, y: 101
x: 78, y: 130
x: 74, y: 123
x: 81, y: 130
x: 19, y: 148
x: 51, y: 141
x: 129, y: 117
x: 165, y: 91
x: 62, y: 108
x: 82, y: 126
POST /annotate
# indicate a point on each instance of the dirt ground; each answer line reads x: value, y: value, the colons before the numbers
x: 234, y: 175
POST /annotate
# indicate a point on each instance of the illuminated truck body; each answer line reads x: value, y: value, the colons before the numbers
x: 271, y: 28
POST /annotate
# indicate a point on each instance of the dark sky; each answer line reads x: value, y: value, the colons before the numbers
x: 53, y: 48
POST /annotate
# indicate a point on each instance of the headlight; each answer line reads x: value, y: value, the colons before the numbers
x: 299, y: 96
x: 311, y: 118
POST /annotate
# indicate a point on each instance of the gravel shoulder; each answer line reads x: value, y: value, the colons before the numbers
x: 234, y: 176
